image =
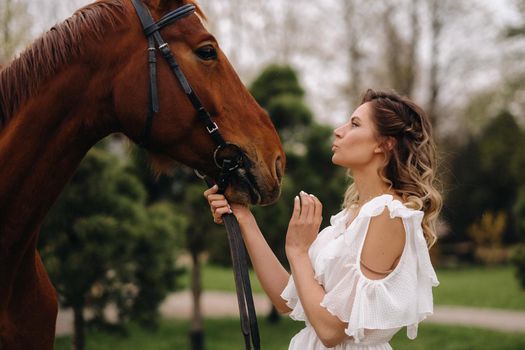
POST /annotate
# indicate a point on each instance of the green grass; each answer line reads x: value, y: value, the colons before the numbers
x: 220, y: 334
x: 224, y: 334
x: 480, y: 287
x: 473, y: 286
x: 221, y: 279
x: 442, y: 337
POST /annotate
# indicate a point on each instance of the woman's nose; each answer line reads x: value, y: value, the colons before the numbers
x: 338, y: 132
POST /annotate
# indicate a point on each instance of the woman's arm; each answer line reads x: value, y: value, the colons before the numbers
x: 270, y: 272
x: 272, y: 275
x: 302, y: 231
x: 382, y: 249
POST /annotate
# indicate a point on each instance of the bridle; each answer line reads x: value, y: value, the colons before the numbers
x: 152, y: 32
x: 227, y: 164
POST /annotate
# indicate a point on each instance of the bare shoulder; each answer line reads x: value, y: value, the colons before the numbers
x: 383, y: 246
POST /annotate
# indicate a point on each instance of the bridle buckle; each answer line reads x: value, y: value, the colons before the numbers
x: 213, y: 128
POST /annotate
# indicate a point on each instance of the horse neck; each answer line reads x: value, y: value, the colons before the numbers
x: 39, y: 151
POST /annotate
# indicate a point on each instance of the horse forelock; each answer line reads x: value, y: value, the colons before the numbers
x: 52, y: 51
x: 200, y: 13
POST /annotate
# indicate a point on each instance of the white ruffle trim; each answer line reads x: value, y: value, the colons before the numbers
x: 403, y: 298
x: 378, y: 304
x: 289, y: 294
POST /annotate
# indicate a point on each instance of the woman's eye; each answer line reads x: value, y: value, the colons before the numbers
x: 354, y: 124
x: 206, y: 53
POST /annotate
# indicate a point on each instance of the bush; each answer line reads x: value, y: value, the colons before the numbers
x: 518, y: 260
x: 487, y: 236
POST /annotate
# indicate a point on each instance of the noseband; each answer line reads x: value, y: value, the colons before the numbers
x: 227, y: 164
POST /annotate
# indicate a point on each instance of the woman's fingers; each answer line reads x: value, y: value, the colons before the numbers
x: 221, y: 211
x: 211, y: 190
x: 318, y: 215
x: 296, y: 208
x: 309, y: 209
x: 306, y: 205
x: 214, y: 197
x: 219, y: 203
x: 218, y: 213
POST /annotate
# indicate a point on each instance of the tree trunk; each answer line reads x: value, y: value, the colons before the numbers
x: 79, y: 339
x: 354, y: 53
x: 435, y: 37
x: 274, y: 316
x: 196, y: 330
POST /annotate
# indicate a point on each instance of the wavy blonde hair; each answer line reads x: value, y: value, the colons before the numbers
x: 410, y: 166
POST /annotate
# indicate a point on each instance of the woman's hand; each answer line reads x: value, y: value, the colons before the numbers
x: 219, y: 206
x: 304, y: 224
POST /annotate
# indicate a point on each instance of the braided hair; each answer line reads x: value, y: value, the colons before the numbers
x: 410, y: 166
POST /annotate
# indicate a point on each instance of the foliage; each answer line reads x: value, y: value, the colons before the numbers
x: 307, y: 145
x: 102, y: 245
x: 487, y: 235
x: 518, y: 260
x: 486, y: 173
x: 276, y: 80
x: 518, y: 253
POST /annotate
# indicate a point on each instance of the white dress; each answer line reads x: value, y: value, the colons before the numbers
x: 374, y: 309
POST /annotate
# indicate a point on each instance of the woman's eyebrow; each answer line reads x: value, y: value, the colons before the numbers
x: 355, y: 117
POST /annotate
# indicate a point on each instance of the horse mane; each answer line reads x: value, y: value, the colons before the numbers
x: 54, y: 49
x: 49, y: 53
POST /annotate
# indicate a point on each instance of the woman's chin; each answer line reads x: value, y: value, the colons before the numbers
x: 335, y: 160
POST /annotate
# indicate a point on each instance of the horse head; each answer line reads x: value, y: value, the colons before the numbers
x: 176, y: 130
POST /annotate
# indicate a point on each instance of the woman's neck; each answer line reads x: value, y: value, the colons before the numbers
x: 369, y: 185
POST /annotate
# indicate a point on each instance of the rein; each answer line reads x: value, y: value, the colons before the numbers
x: 227, y: 164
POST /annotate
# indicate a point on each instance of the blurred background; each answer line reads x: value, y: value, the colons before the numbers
x: 137, y: 260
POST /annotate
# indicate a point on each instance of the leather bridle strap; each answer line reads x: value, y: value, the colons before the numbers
x: 249, y: 326
x: 227, y: 165
x: 151, y: 30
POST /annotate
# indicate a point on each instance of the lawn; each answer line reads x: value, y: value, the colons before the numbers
x: 220, y: 278
x: 475, y: 286
x: 480, y: 287
x: 224, y: 334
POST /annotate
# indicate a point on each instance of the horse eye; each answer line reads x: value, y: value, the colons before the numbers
x: 206, y: 53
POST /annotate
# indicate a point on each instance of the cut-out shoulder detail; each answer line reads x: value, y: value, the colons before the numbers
x: 383, y: 245
x: 373, y: 309
x: 383, y: 273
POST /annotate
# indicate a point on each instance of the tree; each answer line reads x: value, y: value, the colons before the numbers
x: 487, y: 173
x: 401, y: 52
x: 14, y: 27
x: 101, y: 245
x: 307, y: 147
x: 180, y: 185
x: 199, y: 234
x: 518, y: 253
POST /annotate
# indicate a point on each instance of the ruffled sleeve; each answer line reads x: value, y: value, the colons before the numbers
x: 403, y: 298
x: 289, y: 294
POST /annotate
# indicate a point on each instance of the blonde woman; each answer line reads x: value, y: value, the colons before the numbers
x: 361, y: 279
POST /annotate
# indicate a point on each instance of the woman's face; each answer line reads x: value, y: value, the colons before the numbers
x: 355, y: 143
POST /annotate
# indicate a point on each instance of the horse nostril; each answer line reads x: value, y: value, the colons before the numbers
x: 279, y: 168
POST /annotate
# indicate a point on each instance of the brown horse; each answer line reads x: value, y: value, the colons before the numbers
x: 81, y: 81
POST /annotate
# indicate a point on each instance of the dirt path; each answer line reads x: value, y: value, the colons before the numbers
x: 221, y: 304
